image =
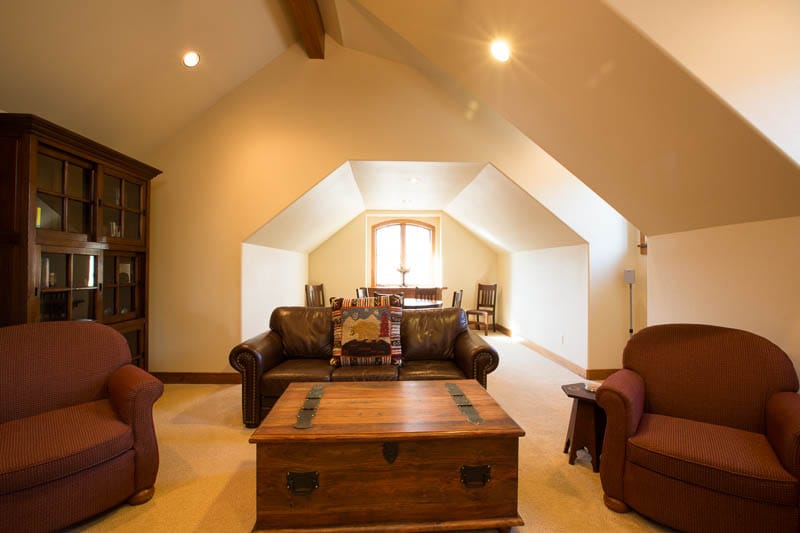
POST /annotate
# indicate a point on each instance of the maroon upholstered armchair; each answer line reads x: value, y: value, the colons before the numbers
x: 703, y: 430
x: 76, y: 424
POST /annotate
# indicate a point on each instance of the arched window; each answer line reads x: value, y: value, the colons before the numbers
x: 402, y: 245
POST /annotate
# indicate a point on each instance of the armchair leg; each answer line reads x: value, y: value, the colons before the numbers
x: 142, y: 496
x: 615, y: 505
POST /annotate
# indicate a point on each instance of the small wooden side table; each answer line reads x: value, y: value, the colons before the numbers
x: 587, y: 424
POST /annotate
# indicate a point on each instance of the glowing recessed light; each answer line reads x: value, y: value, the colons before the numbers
x: 500, y: 50
x: 412, y: 180
x: 191, y: 59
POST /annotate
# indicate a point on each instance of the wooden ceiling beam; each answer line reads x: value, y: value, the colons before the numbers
x: 309, y: 23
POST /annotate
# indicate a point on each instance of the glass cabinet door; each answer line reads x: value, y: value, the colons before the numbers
x: 123, y: 213
x: 68, y: 286
x: 135, y: 340
x: 123, y: 286
x: 64, y: 192
x: 135, y: 333
x: 112, y: 206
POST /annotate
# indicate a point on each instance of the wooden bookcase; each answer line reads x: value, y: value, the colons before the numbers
x: 74, y: 230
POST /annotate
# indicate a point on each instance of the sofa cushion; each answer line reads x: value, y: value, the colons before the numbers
x: 366, y: 331
x: 431, y: 333
x: 55, y: 444
x: 422, y: 370
x: 275, y: 381
x: 365, y: 373
x: 720, y: 458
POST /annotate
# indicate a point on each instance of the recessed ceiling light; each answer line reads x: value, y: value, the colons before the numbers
x: 191, y: 59
x: 412, y: 180
x: 500, y: 50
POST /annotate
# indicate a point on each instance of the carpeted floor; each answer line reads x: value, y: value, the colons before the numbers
x: 206, y: 481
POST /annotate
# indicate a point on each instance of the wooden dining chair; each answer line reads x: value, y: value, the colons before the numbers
x: 425, y: 294
x: 457, y: 295
x: 487, y: 299
x: 315, y: 296
x: 362, y: 292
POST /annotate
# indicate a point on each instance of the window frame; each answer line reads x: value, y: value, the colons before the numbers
x: 402, y: 222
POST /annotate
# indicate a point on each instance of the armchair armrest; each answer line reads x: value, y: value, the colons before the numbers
x: 132, y: 392
x: 475, y: 357
x: 251, y: 359
x: 622, y: 397
x: 783, y: 429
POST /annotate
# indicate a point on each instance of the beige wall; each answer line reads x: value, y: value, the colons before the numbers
x: 743, y: 276
x: 550, y: 299
x: 285, y: 129
x: 338, y: 263
x: 270, y: 278
x: 467, y: 261
x: 342, y: 261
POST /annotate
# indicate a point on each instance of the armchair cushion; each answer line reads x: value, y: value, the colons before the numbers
x: 88, y: 434
x: 711, y: 456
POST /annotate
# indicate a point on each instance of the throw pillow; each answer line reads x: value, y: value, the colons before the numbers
x: 366, y: 331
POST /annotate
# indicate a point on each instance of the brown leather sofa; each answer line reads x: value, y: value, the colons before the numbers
x: 703, y: 430
x: 76, y: 425
x: 436, y: 344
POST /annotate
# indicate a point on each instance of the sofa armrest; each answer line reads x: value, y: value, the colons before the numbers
x: 474, y: 356
x: 783, y: 429
x: 251, y: 359
x: 133, y: 391
x: 622, y: 397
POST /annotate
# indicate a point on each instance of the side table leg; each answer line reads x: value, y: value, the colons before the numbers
x: 569, y: 443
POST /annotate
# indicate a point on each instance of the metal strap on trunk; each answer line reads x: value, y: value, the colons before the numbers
x: 309, y: 408
x: 463, y: 403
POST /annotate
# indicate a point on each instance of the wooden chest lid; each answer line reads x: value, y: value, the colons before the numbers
x: 396, y: 410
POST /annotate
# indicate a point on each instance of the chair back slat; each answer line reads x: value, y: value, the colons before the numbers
x: 315, y: 296
x: 457, y: 296
x: 425, y: 293
x: 487, y: 296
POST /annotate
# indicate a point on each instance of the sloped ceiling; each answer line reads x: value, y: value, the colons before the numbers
x: 477, y: 195
x: 410, y: 184
x: 744, y: 51
x: 111, y: 70
x: 609, y: 105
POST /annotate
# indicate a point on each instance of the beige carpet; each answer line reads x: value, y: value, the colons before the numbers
x: 206, y: 481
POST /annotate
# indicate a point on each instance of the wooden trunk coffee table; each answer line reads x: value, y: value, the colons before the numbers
x: 387, y: 456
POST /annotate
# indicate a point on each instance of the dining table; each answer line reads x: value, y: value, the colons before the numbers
x: 421, y: 303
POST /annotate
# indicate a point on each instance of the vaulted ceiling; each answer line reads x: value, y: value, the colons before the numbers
x: 624, y: 94
x: 476, y: 194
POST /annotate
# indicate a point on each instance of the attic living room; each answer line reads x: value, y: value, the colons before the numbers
x: 263, y: 168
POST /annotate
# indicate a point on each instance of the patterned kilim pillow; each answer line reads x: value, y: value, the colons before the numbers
x: 366, y: 331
